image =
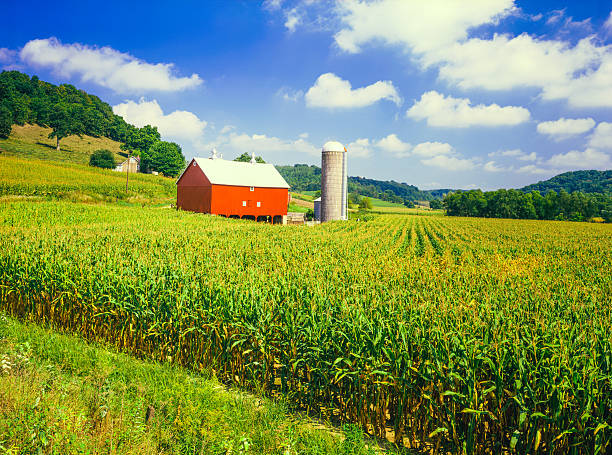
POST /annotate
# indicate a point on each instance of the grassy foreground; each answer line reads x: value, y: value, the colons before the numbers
x: 59, y: 394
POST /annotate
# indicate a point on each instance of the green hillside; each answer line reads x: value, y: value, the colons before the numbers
x: 583, y: 181
x: 32, y: 141
x: 303, y: 177
x: 32, y: 177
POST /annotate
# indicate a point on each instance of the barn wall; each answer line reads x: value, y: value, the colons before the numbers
x: 227, y: 200
x: 193, y: 190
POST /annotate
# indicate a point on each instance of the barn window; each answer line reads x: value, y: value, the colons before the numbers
x: 244, y: 203
x: 252, y: 188
x: 258, y: 204
x: 194, y: 163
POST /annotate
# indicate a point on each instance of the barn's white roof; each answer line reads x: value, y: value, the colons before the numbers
x: 237, y: 173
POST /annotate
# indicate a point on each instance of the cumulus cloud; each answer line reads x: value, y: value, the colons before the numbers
x: 330, y: 91
x: 179, y: 125
x: 261, y: 144
x: 446, y: 111
x: 436, y: 33
x: 565, y: 127
x: 394, y: 145
x: 430, y: 149
x: 424, y: 27
x: 574, y: 160
x: 602, y: 136
x: 360, y: 148
x: 106, y: 67
x: 491, y: 166
x: 515, y: 153
x: 450, y: 163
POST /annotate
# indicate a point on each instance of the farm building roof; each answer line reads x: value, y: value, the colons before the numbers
x: 238, y: 173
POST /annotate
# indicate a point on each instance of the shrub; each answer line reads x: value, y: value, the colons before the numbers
x: 102, y: 158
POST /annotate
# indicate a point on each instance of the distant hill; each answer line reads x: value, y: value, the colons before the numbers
x: 32, y: 141
x: 304, y: 177
x: 583, y: 181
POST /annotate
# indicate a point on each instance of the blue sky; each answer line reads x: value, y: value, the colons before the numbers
x: 478, y: 93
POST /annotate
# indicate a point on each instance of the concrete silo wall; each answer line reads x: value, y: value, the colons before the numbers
x: 332, y: 176
x: 344, y: 187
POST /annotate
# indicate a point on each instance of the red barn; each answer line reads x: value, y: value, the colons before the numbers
x: 233, y: 189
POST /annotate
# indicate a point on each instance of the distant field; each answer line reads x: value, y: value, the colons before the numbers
x: 21, y: 177
x: 31, y: 141
x: 443, y: 334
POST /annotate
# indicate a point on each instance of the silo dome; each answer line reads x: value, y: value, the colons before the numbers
x: 333, y: 146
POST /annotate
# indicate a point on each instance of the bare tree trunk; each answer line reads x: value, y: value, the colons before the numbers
x: 58, y: 148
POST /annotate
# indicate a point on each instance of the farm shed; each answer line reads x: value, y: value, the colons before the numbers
x: 233, y: 189
x: 317, y: 208
x: 132, y: 165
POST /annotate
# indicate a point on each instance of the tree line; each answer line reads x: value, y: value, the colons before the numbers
x: 304, y: 177
x: 575, y: 206
x: 69, y: 111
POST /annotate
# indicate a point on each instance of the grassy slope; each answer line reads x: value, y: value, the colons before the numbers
x: 31, y: 141
x: 21, y: 176
x: 59, y: 394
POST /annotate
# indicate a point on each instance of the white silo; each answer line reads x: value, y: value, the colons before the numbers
x: 333, y: 182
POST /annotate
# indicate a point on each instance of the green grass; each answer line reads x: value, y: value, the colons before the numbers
x: 31, y: 177
x: 297, y: 208
x: 31, y: 141
x: 60, y: 394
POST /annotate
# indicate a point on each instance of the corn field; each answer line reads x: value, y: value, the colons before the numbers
x: 438, y: 334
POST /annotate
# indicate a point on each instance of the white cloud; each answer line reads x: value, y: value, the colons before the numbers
x: 290, y: 95
x: 491, y: 166
x: 436, y: 33
x: 179, y: 125
x: 450, y: 163
x: 293, y: 20
x: 602, y: 136
x: 432, y: 149
x: 261, y: 144
x: 446, y: 111
x: 7, y: 55
x: 394, y: 145
x: 330, y: 91
x: 227, y: 129
x: 535, y: 170
x: 608, y: 25
x: 360, y: 148
x: 105, y: 66
x: 575, y: 160
x: 272, y: 5
x: 515, y: 153
x: 565, y: 127
x: 421, y: 26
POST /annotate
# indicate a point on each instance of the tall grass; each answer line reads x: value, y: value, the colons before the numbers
x: 461, y: 335
x: 32, y: 177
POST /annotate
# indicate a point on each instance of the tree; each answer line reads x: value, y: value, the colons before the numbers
x: 102, y: 158
x: 163, y: 157
x: 246, y: 158
x: 140, y: 140
x: 6, y: 121
x: 366, y: 203
x: 436, y: 204
x: 65, y: 121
